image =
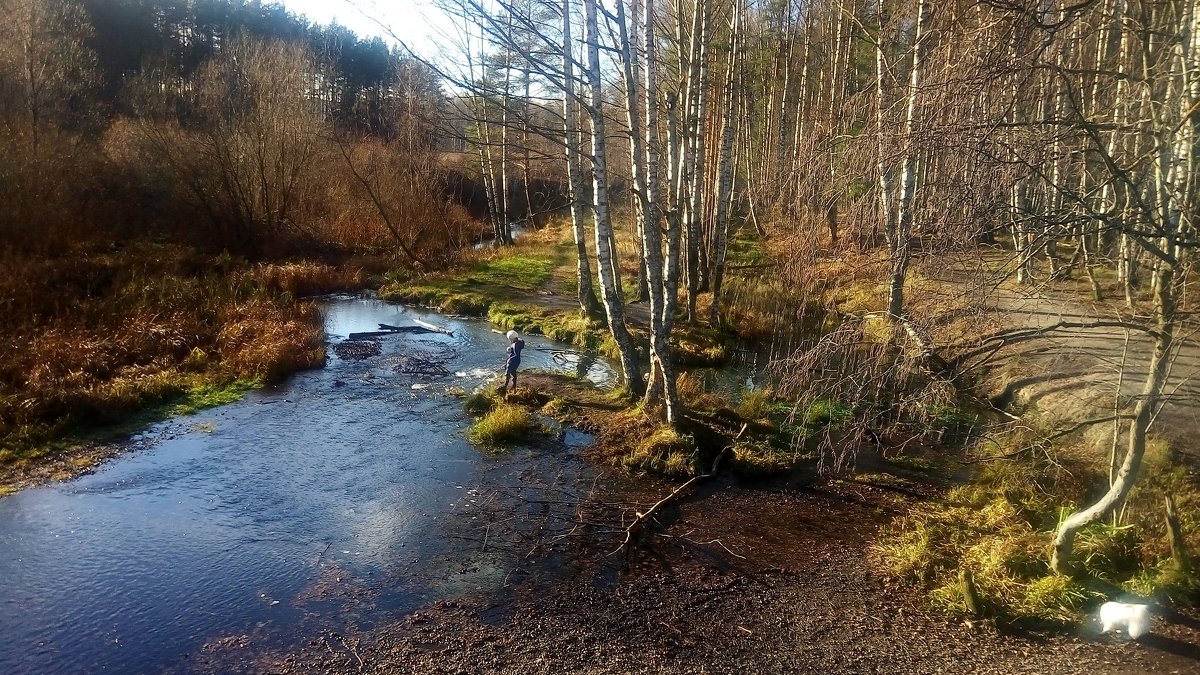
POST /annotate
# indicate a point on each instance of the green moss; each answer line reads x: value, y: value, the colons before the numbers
x: 201, y: 395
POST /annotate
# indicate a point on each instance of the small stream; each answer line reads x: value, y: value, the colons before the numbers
x: 340, y: 497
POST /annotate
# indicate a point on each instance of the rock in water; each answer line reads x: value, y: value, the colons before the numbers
x: 357, y: 349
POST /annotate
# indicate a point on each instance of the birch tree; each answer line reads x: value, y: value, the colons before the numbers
x: 583, y: 274
x: 606, y: 255
x: 900, y: 239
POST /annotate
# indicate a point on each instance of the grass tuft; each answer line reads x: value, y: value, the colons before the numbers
x: 664, y: 452
x: 479, y: 403
x: 758, y: 458
x: 756, y: 405
x: 505, y: 425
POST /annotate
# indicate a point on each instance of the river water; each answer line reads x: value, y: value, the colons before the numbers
x: 341, y: 497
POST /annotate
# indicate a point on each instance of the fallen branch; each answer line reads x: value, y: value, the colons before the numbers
x: 433, y: 327
x: 421, y: 327
x: 643, y: 519
x: 930, y: 359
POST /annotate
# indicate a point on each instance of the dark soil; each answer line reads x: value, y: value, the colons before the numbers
x: 737, y: 580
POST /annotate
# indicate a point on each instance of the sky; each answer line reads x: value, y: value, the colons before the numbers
x: 418, y: 23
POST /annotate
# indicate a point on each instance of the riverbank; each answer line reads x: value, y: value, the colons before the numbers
x: 736, y: 579
x: 101, y: 341
x: 531, y: 287
x: 104, y: 340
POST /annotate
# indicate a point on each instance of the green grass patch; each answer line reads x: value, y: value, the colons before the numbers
x: 572, y: 327
x: 756, y: 405
x: 201, y: 395
x: 745, y: 248
x: 665, y: 452
x: 1000, y: 527
x: 826, y: 413
x: 505, y: 425
x: 525, y: 271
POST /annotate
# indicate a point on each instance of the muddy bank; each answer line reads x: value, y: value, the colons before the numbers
x: 741, y: 580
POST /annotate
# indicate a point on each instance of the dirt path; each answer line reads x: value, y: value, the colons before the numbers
x: 1072, y: 374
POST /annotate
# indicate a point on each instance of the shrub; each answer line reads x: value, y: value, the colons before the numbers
x: 756, y: 404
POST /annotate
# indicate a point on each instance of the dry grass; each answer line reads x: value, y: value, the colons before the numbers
x: 93, y: 336
x: 664, y: 452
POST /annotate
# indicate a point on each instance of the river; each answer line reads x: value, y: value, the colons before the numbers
x: 340, y: 497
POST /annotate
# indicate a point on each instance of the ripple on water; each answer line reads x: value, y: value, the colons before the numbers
x: 227, y: 523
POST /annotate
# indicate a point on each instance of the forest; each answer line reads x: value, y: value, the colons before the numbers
x: 953, y: 240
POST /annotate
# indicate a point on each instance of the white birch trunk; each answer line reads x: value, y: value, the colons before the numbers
x: 902, y: 247
x: 696, y: 132
x: 606, y: 256
x: 583, y: 273
x: 725, y: 166
x: 886, y: 179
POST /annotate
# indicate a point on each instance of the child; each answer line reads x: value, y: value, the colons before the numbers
x: 516, y: 344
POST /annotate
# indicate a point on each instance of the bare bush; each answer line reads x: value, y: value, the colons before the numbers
x: 854, y: 386
x: 244, y: 156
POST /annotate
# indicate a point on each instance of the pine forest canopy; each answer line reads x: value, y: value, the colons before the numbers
x: 358, y: 75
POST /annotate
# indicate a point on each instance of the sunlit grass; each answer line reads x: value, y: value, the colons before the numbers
x: 505, y: 425
x: 1000, y: 526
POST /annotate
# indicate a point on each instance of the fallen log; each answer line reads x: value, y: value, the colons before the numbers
x: 643, y: 519
x: 353, y: 337
x: 404, y: 329
x: 437, y: 329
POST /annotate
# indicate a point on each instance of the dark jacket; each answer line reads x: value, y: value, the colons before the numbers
x: 514, y: 355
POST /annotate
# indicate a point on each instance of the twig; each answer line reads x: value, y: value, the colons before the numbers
x: 353, y: 651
